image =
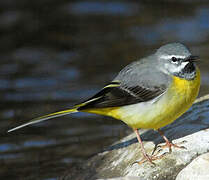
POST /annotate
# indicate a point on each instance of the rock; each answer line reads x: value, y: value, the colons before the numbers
x: 198, y: 169
x: 191, y: 131
x: 123, y: 178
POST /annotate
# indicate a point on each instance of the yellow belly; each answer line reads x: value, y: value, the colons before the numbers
x: 154, y: 115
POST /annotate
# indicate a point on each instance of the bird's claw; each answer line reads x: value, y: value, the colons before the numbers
x: 150, y: 159
x: 170, y: 144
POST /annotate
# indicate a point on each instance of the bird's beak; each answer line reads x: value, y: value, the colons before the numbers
x: 193, y: 58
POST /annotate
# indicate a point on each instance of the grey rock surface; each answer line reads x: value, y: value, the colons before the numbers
x: 191, y: 130
x: 198, y: 169
x: 123, y: 178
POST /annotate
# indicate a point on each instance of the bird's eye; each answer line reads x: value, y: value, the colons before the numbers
x: 174, y: 59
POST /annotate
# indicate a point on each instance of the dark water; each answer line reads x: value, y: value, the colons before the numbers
x: 54, y: 54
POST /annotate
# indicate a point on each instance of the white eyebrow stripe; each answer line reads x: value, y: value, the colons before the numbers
x: 170, y: 56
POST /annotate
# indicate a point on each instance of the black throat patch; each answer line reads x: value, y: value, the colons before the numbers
x: 189, y: 72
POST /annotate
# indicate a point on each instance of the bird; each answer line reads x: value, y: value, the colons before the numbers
x: 149, y: 93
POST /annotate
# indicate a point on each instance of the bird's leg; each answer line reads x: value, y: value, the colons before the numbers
x: 146, y: 156
x: 168, y: 143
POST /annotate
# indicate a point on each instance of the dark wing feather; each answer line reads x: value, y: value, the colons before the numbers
x: 137, y: 82
x: 121, y: 96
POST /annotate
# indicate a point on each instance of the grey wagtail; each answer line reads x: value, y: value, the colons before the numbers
x: 149, y: 93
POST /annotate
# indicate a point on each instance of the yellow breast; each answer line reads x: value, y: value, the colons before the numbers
x: 180, y: 98
x: 187, y: 88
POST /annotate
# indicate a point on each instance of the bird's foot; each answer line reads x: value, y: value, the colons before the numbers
x: 150, y: 158
x: 169, y: 145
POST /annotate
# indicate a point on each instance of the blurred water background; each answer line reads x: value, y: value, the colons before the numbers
x: 55, y: 53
